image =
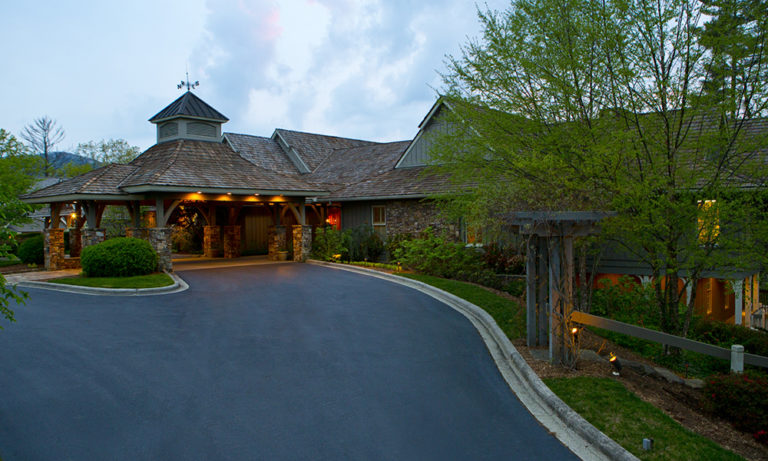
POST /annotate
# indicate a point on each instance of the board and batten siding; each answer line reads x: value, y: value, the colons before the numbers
x: 419, y: 152
x: 354, y: 214
x: 256, y: 232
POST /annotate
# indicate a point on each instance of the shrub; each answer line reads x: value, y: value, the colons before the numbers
x: 395, y: 243
x: 31, y: 250
x: 503, y: 259
x: 363, y: 244
x: 435, y: 255
x: 741, y: 399
x: 627, y: 301
x: 119, y: 257
x: 725, y: 335
x: 328, y: 244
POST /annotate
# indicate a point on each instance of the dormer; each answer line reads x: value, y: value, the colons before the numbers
x: 189, y: 117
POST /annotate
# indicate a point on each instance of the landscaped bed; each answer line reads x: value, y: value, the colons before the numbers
x: 139, y: 281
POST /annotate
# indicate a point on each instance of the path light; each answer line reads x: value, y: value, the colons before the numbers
x: 616, y: 364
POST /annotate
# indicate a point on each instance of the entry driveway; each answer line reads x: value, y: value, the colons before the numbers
x: 284, y: 361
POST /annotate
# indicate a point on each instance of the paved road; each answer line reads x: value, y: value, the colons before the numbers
x: 287, y: 361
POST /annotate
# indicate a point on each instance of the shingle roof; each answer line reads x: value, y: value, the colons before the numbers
x: 344, y: 167
x: 101, y: 181
x: 264, y: 152
x: 314, y: 148
x: 190, y: 105
x: 200, y: 164
x: 401, y: 182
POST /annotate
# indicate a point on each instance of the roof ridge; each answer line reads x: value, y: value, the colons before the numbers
x: 327, y: 135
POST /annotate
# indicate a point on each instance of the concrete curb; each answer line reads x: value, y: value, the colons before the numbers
x: 569, y: 427
x: 179, y: 285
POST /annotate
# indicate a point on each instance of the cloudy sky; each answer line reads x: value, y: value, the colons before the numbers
x: 355, y: 68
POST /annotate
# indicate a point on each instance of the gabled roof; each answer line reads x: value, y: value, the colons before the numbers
x: 104, y: 181
x: 264, y: 152
x: 314, y: 148
x: 189, y: 105
x: 344, y: 167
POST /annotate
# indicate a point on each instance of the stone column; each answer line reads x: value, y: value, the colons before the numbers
x: 75, y: 242
x: 231, y: 241
x: 160, y: 239
x: 302, y: 242
x: 276, y: 241
x: 54, y: 249
x: 90, y: 237
x: 212, y: 241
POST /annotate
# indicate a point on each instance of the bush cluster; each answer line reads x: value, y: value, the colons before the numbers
x: 504, y: 259
x: 725, y: 335
x: 741, y: 399
x: 31, y: 250
x: 328, y: 244
x: 357, y: 244
x: 119, y: 257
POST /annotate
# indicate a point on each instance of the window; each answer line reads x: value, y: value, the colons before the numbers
x: 708, y: 221
x: 380, y: 220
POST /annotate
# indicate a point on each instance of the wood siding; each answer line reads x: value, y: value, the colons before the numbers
x: 419, y: 152
x: 354, y: 214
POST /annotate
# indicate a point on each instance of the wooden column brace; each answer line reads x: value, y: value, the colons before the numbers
x: 55, y: 215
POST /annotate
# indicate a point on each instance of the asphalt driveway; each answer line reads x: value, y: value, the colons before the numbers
x: 285, y: 361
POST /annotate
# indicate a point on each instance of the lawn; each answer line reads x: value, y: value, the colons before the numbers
x: 622, y: 416
x: 508, y: 314
x: 139, y: 281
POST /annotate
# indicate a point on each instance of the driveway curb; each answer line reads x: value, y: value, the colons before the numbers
x: 179, y: 285
x: 581, y: 437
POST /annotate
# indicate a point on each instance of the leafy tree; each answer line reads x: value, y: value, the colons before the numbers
x: 42, y: 135
x: 112, y: 151
x: 582, y: 105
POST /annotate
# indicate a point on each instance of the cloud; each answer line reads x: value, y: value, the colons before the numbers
x: 351, y: 68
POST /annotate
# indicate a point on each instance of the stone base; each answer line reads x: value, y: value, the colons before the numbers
x: 231, y: 241
x: 90, y: 237
x: 276, y: 242
x: 212, y: 241
x: 160, y: 239
x: 53, y: 248
x: 302, y: 242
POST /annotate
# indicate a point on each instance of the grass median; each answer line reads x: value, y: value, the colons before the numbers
x: 139, y: 281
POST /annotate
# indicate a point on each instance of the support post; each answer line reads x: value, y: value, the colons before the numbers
x: 737, y: 358
x: 160, y: 239
x: 738, y: 295
x: 212, y: 241
x: 555, y: 301
x: 542, y: 300
x: 231, y: 241
x: 302, y: 242
x: 276, y: 241
x: 530, y: 292
x: 567, y: 301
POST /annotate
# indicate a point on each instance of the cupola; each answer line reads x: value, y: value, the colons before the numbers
x: 189, y: 117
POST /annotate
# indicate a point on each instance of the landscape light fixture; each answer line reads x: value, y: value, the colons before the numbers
x: 198, y: 192
x: 575, y: 334
x: 616, y: 364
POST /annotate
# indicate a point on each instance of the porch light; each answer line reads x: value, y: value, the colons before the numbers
x: 229, y: 193
x: 198, y: 192
x: 256, y: 195
x: 616, y: 364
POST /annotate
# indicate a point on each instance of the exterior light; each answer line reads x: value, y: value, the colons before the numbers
x: 73, y: 215
x: 574, y: 330
x: 616, y: 364
x: 256, y: 194
x: 229, y: 193
x: 198, y: 192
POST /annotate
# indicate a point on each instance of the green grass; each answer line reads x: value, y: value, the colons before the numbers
x: 139, y: 281
x: 10, y: 261
x: 622, y: 416
x: 508, y: 314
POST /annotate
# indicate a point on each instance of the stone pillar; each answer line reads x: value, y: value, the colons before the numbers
x: 90, y: 237
x: 302, y: 242
x: 75, y: 242
x: 160, y: 239
x: 276, y: 241
x: 231, y: 241
x: 54, y: 249
x: 212, y: 241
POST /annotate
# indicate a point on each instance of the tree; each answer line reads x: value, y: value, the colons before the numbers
x: 42, y: 135
x: 599, y: 105
x: 14, y: 180
x: 112, y: 151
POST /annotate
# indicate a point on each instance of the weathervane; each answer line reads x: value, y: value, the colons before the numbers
x: 188, y: 84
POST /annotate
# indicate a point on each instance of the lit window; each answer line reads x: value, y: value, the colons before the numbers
x: 708, y: 220
x: 334, y: 218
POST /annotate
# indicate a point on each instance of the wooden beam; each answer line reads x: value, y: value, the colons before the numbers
x: 55, y: 215
x: 530, y: 292
x: 542, y: 287
x: 555, y: 301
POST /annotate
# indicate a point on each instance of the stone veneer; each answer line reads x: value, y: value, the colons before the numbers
x: 90, y: 237
x: 212, y: 241
x: 276, y: 241
x: 160, y: 239
x: 302, y: 242
x: 414, y: 216
x: 54, y: 249
x: 231, y: 241
x: 75, y: 242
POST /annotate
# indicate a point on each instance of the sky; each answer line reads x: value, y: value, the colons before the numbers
x: 366, y: 69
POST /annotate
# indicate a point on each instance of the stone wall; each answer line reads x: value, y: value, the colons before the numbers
x: 137, y: 232
x: 231, y: 241
x: 414, y: 216
x: 302, y: 242
x: 277, y: 241
x: 212, y: 241
x: 160, y: 239
x: 90, y: 237
x: 54, y: 249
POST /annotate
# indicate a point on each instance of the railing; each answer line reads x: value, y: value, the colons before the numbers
x: 735, y: 354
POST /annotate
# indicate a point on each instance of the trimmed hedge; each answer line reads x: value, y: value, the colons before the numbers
x: 119, y: 257
x: 31, y: 250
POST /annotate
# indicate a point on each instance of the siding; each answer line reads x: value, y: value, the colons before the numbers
x: 355, y: 214
x: 419, y: 152
x: 255, y: 235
